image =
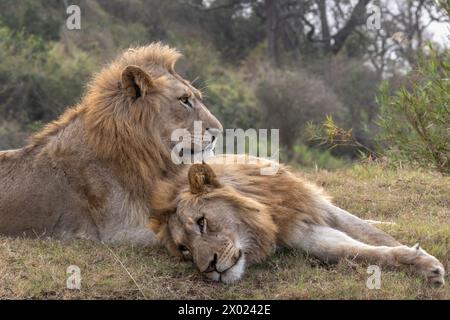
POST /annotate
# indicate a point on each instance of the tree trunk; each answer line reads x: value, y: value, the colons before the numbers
x: 357, y: 18
x: 324, y: 24
x: 272, y: 31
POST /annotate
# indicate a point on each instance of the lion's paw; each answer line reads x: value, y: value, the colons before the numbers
x: 422, y: 262
x: 429, y: 266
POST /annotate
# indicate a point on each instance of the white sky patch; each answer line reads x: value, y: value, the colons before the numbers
x: 439, y: 32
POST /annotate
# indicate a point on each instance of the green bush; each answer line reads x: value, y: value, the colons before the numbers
x: 232, y: 101
x: 416, y: 119
x: 288, y: 100
x: 12, y: 135
x: 39, y: 18
x: 313, y: 157
x: 226, y: 94
x: 38, y: 79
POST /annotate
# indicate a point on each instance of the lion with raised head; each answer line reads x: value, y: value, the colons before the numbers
x: 225, y: 216
x: 90, y: 173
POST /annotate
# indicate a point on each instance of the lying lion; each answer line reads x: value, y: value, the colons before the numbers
x: 225, y: 216
x: 90, y: 173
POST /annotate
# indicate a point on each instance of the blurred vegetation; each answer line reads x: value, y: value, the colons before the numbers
x: 252, y: 76
x: 416, y: 119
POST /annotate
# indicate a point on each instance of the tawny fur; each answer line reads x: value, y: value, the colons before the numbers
x: 249, y: 215
x: 89, y: 174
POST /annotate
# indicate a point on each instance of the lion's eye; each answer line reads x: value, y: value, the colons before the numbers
x: 186, y: 102
x: 201, y: 224
x: 183, y: 249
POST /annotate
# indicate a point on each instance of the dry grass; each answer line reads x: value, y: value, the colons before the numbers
x: 418, y: 202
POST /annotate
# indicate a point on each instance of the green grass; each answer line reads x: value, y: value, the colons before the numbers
x: 418, y: 202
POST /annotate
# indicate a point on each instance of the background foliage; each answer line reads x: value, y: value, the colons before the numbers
x: 261, y: 63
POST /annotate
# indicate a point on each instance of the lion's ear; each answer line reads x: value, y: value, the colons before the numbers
x: 202, y: 176
x: 136, y: 82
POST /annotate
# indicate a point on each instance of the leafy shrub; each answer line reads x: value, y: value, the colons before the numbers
x: 331, y: 135
x: 314, y: 157
x: 416, y: 119
x: 38, y: 79
x: 226, y: 94
x: 288, y: 100
x: 356, y: 87
x: 232, y: 101
x: 12, y: 135
x: 38, y: 18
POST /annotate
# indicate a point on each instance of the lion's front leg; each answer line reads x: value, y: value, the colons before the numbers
x: 330, y: 245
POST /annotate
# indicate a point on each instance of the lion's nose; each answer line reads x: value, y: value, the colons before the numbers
x: 213, y: 262
x: 212, y: 265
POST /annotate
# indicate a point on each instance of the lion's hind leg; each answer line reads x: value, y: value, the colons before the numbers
x: 331, y: 245
x: 357, y: 228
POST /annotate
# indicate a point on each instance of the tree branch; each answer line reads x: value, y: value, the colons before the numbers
x: 357, y: 18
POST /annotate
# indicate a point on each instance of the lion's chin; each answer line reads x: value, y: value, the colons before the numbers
x: 188, y: 156
x: 231, y: 275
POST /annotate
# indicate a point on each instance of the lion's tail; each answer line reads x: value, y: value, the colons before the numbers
x: 357, y: 228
